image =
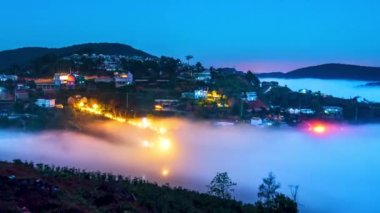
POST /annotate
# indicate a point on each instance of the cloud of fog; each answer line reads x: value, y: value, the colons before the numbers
x: 336, y: 173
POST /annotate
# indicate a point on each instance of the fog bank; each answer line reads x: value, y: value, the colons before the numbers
x: 338, y: 172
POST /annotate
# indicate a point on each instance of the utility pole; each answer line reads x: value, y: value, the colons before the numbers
x: 241, y: 108
x: 127, y: 100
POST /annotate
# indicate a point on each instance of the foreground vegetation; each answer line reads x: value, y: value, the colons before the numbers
x: 42, y: 188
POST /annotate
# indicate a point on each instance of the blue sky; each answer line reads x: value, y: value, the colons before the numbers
x: 266, y: 35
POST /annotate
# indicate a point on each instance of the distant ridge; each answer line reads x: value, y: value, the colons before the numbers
x: 330, y: 71
x: 23, y: 56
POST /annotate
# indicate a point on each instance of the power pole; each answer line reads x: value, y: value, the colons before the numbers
x: 241, y: 108
x: 127, y: 100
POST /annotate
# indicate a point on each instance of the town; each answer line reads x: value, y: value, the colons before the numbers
x: 136, y: 86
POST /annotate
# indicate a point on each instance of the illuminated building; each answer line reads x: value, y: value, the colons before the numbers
x: 204, y: 76
x: 45, y: 103
x: 123, y: 79
x: 64, y: 79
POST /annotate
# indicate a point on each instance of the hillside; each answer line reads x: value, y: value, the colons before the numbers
x: 330, y: 71
x: 44, y: 188
x: 23, y: 56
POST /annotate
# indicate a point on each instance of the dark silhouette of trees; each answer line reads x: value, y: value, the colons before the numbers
x: 272, y: 201
x: 221, y: 186
x: 188, y: 58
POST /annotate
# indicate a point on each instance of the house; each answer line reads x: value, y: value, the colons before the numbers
x: 258, y: 106
x: 333, y: 112
x: 255, y: 121
x: 301, y: 111
x: 307, y: 111
x: 269, y: 84
x: 123, y: 79
x: 6, y: 95
x: 204, y: 76
x: 22, y: 94
x: 46, y: 85
x: 166, y: 105
x: 249, y: 96
x: 305, y: 91
x: 8, y: 77
x: 196, y: 94
x: 45, y: 102
x: 64, y: 79
x: 104, y: 79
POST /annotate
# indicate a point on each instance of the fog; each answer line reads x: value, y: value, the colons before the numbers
x: 338, y: 88
x: 336, y: 172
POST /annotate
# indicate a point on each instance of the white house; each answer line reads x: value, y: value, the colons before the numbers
x: 8, y: 77
x: 64, y: 79
x: 103, y: 79
x: 204, y: 76
x: 45, y: 103
x: 196, y: 95
x: 124, y: 79
x: 249, y: 96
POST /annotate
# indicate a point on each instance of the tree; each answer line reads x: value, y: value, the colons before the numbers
x: 188, y: 58
x: 268, y: 189
x: 271, y: 200
x: 221, y: 186
x: 199, y: 67
x: 252, y: 79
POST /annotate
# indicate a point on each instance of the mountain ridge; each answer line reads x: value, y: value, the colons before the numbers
x: 330, y: 71
x: 21, y: 57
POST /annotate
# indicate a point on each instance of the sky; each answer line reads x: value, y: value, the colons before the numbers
x: 262, y: 36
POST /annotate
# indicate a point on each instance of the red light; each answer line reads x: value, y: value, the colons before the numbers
x: 319, y: 129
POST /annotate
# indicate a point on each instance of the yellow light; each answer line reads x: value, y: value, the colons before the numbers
x: 165, y: 172
x: 162, y: 130
x: 81, y: 104
x: 319, y: 129
x: 158, y: 107
x: 145, y: 123
x: 165, y: 144
x: 95, y: 106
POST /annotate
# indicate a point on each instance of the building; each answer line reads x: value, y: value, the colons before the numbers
x: 333, y: 112
x: 103, y: 79
x: 204, y: 76
x: 249, y: 96
x: 295, y: 111
x: 8, y: 77
x: 258, y: 106
x: 123, y: 79
x: 22, y: 95
x: 45, y: 102
x: 196, y: 94
x: 64, y: 79
x: 255, y: 121
x: 305, y: 91
x: 269, y: 84
x: 46, y: 85
x: 165, y: 105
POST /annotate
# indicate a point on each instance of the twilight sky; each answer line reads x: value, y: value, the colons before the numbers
x: 265, y: 35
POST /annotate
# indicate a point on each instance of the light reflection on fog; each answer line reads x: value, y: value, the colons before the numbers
x: 336, y: 173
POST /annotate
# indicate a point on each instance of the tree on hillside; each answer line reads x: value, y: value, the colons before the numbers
x: 199, y: 67
x: 252, y: 79
x: 268, y: 189
x: 188, y: 58
x: 272, y: 201
x: 221, y: 186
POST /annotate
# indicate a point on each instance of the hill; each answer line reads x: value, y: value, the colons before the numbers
x: 44, y: 188
x: 23, y: 56
x: 331, y: 71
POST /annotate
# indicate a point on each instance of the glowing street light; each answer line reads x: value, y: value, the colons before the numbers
x: 165, y: 144
x: 165, y: 172
x: 95, y: 106
x: 319, y: 129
